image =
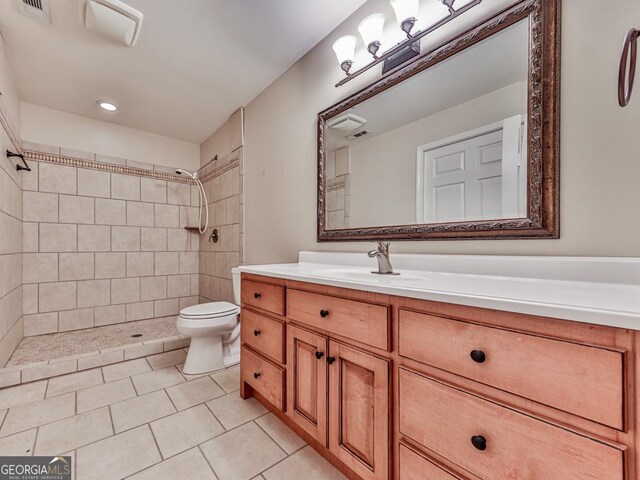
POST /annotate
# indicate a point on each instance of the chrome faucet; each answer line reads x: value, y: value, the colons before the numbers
x: 382, y: 255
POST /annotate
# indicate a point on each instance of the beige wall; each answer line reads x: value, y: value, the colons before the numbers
x: 225, y: 140
x: 53, y: 127
x: 600, y: 165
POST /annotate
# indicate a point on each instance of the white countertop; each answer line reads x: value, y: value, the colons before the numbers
x: 601, y: 291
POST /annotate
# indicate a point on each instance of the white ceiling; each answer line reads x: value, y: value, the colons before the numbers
x: 195, y: 63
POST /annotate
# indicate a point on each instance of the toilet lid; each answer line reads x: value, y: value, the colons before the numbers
x: 209, y: 310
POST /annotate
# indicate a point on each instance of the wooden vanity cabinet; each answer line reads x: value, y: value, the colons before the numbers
x: 391, y: 388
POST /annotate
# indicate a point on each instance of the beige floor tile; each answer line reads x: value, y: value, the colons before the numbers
x: 73, y: 432
x: 283, y: 435
x: 189, y: 465
x: 34, y: 414
x: 73, y: 382
x: 307, y: 464
x: 150, y: 381
x: 167, y: 359
x: 242, y: 453
x: 228, y: 379
x: 194, y: 392
x: 144, y: 409
x: 107, y: 394
x: 184, y: 430
x: 13, y: 396
x: 232, y: 410
x: 125, y: 369
x: 117, y: 457
x: 20, y: 444
x: 180, y: 367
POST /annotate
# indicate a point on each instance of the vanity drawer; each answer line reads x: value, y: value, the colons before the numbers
x: 263, y: 334
x: 580, y: 379
x: 263, y: 295
x: 416, y: 467
x: 445, y: 420
x: 359, y: 321
x: 263, y: 376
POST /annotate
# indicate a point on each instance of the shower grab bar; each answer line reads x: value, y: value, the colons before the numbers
x: 629, y: 56
x: 21, y: 157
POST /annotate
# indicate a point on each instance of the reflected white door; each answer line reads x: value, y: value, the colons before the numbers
x: 473, y: 176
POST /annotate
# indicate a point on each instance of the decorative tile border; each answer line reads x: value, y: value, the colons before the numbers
x: 31, y: 372
x: 106, y: 167
x: 213, y: 170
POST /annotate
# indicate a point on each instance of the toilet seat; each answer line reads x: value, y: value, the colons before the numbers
x: 210, y: 310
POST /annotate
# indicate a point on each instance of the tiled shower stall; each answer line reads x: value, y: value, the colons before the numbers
x: 91, y: 241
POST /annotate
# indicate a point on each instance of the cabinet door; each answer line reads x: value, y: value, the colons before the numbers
x: 359, y: 410
x: 307, y: 381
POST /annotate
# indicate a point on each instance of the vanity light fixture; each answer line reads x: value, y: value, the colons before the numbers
x: 371, y: 31
x: 108, y: 106
x: 345, y: 48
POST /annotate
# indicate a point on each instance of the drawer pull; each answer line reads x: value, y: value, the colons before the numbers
x: 256, y: 332
x: 330, y: 360
x: 257, y: 295
x: 478, y: 356
x: 324, y: 313
x: 319, y: 355
x: 479, y: 442
x: 256, y: 375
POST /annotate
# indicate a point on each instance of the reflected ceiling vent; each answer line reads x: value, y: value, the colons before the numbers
x: 360, y: 134
x: 114, y: 20
x: 346, y: 122
x: 36, y: 9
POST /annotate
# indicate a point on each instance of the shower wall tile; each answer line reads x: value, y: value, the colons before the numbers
x: 40, y: 207
x: 152, y: 190
x: 125, y: 187
x: 56, y: 178
x: 100, y: 247
x: 94, y: 238
x: 111, y: 265
x: 93, y: 183
x: 57, y: 237
x: 111, y: 212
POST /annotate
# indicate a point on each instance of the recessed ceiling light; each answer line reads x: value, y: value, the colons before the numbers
x: 108, y: 106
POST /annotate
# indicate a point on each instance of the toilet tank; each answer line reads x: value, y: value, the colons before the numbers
x: 235, y: 272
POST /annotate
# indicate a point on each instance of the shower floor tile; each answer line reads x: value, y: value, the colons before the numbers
x: 58, y: 345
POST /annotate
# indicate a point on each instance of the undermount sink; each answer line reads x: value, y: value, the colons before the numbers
x: 367, y: 275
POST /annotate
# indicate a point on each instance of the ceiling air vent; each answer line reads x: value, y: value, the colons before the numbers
x: 360, y: 134
x: 37, y: 9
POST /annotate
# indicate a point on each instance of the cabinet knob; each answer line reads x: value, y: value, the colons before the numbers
x: 330, y: 360
x: 256, y: 375
x: 257, y: 295
x: 324, y: 313
x: 479, y: 442
x: 257, y: 332
x: 478, y: 356
x: 319, y: 355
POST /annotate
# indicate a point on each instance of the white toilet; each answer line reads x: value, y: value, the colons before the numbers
x: 214, y: 329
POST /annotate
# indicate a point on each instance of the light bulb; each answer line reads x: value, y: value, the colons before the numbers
x: 406, y: 13
x: 371, y: 31
x: 345, y: 48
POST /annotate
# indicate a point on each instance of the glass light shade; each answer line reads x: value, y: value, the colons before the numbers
x: 345, y: 48
x: 405, y: 9
x: 371, y: 28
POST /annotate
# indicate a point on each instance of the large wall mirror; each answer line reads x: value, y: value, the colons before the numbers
x: 462, y: 143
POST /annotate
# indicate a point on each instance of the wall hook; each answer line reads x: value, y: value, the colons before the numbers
x: 21, y: 157
x: 629, y: 56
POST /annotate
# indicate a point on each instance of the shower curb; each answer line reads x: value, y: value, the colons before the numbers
x: 30, y: 372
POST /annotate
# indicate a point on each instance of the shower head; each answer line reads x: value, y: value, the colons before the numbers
x: 193, y: 175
